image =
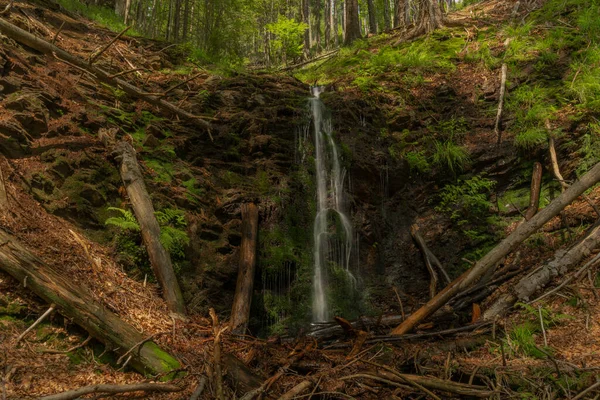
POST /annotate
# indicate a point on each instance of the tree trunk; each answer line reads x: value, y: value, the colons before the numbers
x: 490, y: 260
x: 429, y: 17
x: 534, y: 196
x: 372, y: 17
x: 240, y: 312
x: 399, y: 12
x: 40, y: 45
x: 306, y: 20
x: 144, y: 212
x: 327, y: 18
x: 78, y: 303
x: 334, y: 23
x: 352, y: 23
x: 387, y: 15
x: 563, y: 261
x: 186, y: 19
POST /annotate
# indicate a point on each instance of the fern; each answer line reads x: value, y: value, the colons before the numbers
x: 126, y: 221
x: 171, y: 216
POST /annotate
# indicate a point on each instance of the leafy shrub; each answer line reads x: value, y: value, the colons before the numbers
x: 289, y: 34
x: 417, y: 161
x: 450, y: 155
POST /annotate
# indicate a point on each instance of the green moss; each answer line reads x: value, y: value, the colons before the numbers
x: 168, y: 364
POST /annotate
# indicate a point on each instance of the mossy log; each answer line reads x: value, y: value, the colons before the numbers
x: 240, y: 312
x: 78, y: 303
x: 491, y: 259
x: 160, y: 260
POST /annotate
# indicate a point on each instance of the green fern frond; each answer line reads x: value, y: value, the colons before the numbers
x: 125, y: 222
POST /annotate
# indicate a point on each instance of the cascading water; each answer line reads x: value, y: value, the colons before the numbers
x: 332, y: 227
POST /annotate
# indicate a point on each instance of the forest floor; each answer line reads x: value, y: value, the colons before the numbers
x: 58, y: 107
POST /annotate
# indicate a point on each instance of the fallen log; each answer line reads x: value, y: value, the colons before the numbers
x: 27, y: 39
x: 113, y: 389
x: 490, y: 260
x: 430, y: 260
x: 240, y: 312
x: 563, y: 261
x: 534, y: 196
x: 160, y: 260
x: 77, y: 303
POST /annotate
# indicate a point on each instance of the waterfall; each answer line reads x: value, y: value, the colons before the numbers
x: 332, y: 240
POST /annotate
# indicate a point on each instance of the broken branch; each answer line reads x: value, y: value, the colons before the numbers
x: 113, y: 389
x: 497, y: 130
x: 36, y: 323
x: 95, y: 56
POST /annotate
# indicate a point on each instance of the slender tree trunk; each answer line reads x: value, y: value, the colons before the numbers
x: 240, y: 312
x: 127, y: 7
x: 387, y: 20
x: 186, y: 19
x: 352, y: 22
x: 78, y: 303
x: 306, y: 20
x: 144, y: 211
x: 317, y: 28
x: 334, y: 24
x: 372, y: 17
x: 490, y: 260
x: 327, y: 18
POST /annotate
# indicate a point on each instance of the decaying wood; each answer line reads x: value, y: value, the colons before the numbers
x: 430, y: 260
x: 141, y: 203
x: 95, y: 56
x: 240, y: 312
x: 497, y: 130
x: 217, y: 355
x: 77, y: 303
x: 241, y: 378
x: 491, y: 259
x: 312, y: 60
x: 27, y: 39
x: 296, y: 390
x: 534, y: 196
x: 36, y: 323
x: 199, y: 389
x: 113, y: 389
x: 554, y: 160
x: 3, y: 195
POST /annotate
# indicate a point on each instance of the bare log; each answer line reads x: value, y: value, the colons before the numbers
x: 144, y: 212
x: 27, y: 39
x: 563, y: 261
x: 78, y: 303
x: 497, y: 130
x: 296, y: 390
x: 240, y: 312
x: 113, y: 389
x: 534, y: 196
x: 490, y: 260
x: 3, y: 195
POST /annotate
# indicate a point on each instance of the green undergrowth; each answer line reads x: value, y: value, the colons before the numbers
x: 102, y: 15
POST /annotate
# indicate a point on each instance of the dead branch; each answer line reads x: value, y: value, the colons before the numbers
x: 217, y: 354
x: 497, y: 130
x: 429, y: 258
x: 491, y: 259
x: 58, y: 32
x: 95, y: 56
x: 182, y: 83
x: 113, y: 389
x: 36, y: 323
x: 199, y: 389
x: 312, y: 60
x: 534, y: 196
x: 296, y: 390
x: 586, y: 391
x: 129, y: 71
x: 7, y: 9
x: 45, y: 47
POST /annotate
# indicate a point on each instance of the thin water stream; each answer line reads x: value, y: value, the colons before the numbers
x: 332, y: 230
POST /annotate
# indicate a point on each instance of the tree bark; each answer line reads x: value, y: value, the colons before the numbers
x: 399, y: 12
x: 144, y: 212
x: 563, y: 261
x: 240, y: 312
x: 387, y: 21
x: 45, y: 47
x: 497, y: 130
x: 78, y: 303
x: 534, y: 196
x: 372, y: 17
x: 490, y: 260
x: 352, y: 23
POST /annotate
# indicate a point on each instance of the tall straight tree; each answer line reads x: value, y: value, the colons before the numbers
x: 400, y: 9
x: 327, y: 19
x: 306, y: 20
x: 352, y: 23
x: 387, y: 21
x: 372, y: 17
